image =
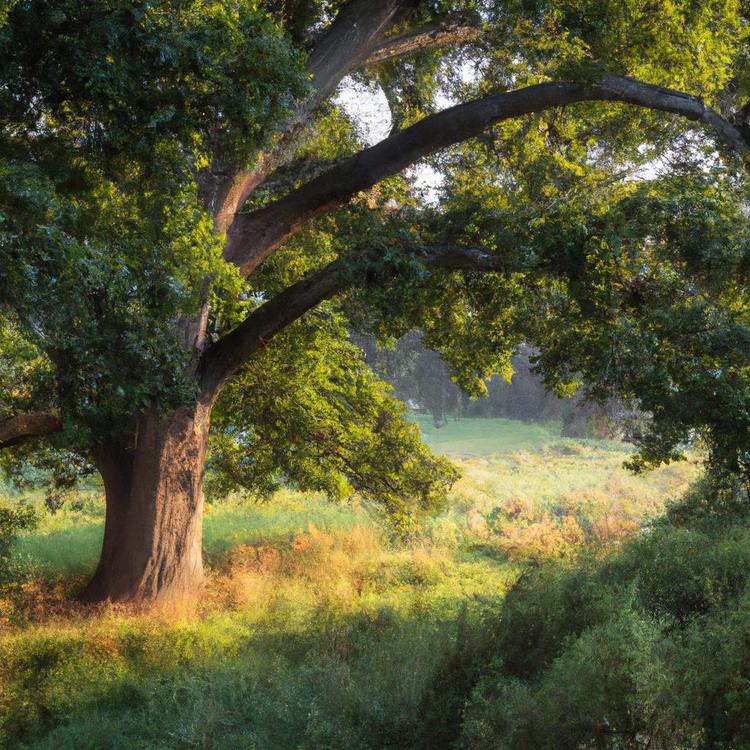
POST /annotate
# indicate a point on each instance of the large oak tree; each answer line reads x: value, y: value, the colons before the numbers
x: 189, y: 225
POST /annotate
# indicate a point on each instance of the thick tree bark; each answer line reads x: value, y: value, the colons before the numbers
x: 151, y: 551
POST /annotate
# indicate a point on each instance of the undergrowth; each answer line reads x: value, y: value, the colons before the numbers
x: 316, y: 628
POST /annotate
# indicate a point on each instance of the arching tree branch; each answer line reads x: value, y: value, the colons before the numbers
x: 631, y: 91
x: 227, y: 355
x: 254, y: 236
x: 422, y: 38
x: 221, y: 360
x: 24, y: 427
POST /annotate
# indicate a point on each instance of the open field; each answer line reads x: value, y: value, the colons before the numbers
x: 486, y: 437
x: 317, y: 628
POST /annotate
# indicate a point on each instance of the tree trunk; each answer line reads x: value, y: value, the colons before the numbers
x: 151, y: 551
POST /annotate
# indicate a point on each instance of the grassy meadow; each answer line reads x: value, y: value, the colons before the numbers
x: 316, y: 628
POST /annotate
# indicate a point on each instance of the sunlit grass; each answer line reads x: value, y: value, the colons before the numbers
x: 316, y: 628
x: 336, y: 619
x: 485, y: 437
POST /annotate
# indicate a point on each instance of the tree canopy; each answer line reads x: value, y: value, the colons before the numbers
x: 178, y: 187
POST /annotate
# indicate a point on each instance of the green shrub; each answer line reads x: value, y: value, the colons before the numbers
x: 12, y: 520
x: 543, y: 611
x: 681, y: 573
x: 648, y: 648
x: 708, y: 664
x: 711, y: 503
x: 593, y: 695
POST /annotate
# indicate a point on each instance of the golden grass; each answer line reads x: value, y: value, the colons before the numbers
x: 528, y: 505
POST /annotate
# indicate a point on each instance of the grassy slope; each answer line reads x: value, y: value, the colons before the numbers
x: 315, y: 630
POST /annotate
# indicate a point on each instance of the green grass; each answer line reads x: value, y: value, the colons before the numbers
x: 316, y: 629
x: 485, y: 437
x: 232, y: 523
x: 68, y: 544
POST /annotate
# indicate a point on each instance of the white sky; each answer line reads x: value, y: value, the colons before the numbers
x: 371, y: 115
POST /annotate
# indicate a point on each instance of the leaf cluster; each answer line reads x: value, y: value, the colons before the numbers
x: 311, y: 414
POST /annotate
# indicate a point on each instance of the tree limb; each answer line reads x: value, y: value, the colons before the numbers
x: 345, y: 45
x: 24, y: 427
x: 630, y: 91
x: 254, y: 236
x: 220, y: 361
x: 422, y: 38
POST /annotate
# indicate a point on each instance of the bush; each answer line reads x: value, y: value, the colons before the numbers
x: 681, y: 573
x: 648, y: 648
x: 12, y: 520
x: 592, y: 695
x: 544, y: 610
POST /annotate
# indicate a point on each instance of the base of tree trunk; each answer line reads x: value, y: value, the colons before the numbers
x: 152, y: 547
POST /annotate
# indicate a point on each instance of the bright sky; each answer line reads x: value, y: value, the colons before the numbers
x: 371, y: 114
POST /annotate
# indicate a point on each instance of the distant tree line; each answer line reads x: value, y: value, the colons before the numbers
x: 421, y: 378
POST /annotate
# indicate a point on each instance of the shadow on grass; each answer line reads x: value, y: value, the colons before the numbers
x: 376, y: 678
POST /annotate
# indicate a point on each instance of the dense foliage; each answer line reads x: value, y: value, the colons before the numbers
x: 636, y: 290
x: 107, y: 113
x: 644, y: 650
x: 313, y: 415
x: 631, y: 282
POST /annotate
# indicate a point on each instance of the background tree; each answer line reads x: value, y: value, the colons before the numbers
x: 421, y: 378
x: 177, y: 189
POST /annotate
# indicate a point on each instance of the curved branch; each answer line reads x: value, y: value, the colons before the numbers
x: 24, y: 427
x: 630, y: 91
x: 220, y: 361
x: 422, y: 38
x: 254, y: 236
